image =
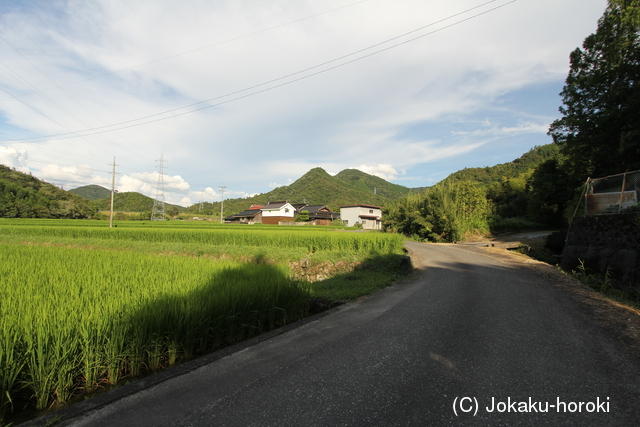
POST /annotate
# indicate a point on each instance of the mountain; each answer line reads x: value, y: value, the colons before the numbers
x: 370, y: 183
x: 317, y: 187
x: 25, y: 196
x: 122, y: 202
x: 128, y: 202
x: 520, y: 167
x: 91, y: 192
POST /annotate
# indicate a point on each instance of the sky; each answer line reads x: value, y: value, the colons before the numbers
x: 199, y: 99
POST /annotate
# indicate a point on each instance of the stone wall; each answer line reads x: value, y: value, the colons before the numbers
x: 606, y: 242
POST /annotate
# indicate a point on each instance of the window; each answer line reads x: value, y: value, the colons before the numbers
x: 286, y: 210
x: 370, y: 211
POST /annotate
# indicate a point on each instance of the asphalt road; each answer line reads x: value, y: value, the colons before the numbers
x: 469, y: 340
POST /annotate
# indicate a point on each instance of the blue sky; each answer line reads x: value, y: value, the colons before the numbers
x: 252, y: 94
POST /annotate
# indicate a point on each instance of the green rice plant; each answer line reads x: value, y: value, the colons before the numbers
x: 113, y: 350
x: 41, y: 362
x: 12, y: 360
x: 66, y: 354
x: 91, y: 337
x: 311, y: 240
x: 155, y: 350
x: 72, y: 318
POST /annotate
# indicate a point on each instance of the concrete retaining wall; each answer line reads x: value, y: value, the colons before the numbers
x: 607, y: 242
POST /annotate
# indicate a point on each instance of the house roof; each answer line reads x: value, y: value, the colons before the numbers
x: 316, y: 208
x: 361, y: 206
x: 248, y: 212
x: 256, y: 207
x: 275, y: 205
x: 369, y: 216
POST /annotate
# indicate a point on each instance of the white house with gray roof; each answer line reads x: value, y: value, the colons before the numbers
x: 274, y: 212
x: 368, y: 215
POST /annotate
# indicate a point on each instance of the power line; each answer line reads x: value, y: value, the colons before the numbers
x: 18, y: 77
x: 175, y: 112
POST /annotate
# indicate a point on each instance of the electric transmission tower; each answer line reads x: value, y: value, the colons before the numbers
x: 222, y: 190
x: 158, y: 214
x: 113, y: 189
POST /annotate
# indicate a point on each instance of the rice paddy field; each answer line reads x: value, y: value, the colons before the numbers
x: 84, y: 306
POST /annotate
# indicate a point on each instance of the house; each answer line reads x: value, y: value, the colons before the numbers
x: 369, y: 216
x: 274, y: 212
x: 320, y: 214
x: 252, y: 215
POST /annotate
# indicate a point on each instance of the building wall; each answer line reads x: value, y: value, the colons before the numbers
x: 275, y: 220
x: 281, y: 212
x: 352, y: 215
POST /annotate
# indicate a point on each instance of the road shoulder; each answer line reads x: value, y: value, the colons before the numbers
x: 622, y: 320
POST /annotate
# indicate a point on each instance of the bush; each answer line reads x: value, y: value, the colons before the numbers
x: 555, y: 241
x: 498, y: 224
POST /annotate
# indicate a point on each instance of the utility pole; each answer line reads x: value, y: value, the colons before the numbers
x: 222, y: 189
x: 200, y: 208
x: 113, y: 189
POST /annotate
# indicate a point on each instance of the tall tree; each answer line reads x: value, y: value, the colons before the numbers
x: 599, y: 132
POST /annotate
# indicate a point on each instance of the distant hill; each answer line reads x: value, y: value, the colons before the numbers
x: 130, y: 201
x: 92, y: 192
x: 370, y: 183
x: 317, y: 187
x: 25, y: 196
x: 520, y: 167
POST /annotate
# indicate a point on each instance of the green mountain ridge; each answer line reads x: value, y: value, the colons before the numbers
x: 129, y: 201
x: 522, y: 166
x: 91, y: 192
x: 317, y: 187
x: 25, y: 196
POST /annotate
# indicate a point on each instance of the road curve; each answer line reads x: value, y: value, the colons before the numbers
x: 467, y: 340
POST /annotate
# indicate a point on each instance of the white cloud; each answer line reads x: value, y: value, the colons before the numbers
x: 14, y: 158
x: 520, y: 129
x: 151, y: 180
x: 289, y: 181
x: 67, y: 173
x: 386, y: 172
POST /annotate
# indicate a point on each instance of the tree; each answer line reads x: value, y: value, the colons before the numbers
x: 549, y: 194
x: 173, y: 211
x: 599, y: 132
x: 303, y: 216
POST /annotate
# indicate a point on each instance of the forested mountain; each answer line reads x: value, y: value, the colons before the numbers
x: 476, y: 200
x: 522, y: 166
x: 92, y: 192
x: 25, y: 196
x: 508, y: 184
x: 317, y: 187
x: 129, y: 202
x: 370, y: 183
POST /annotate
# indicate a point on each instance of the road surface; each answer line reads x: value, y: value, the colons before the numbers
x: 468, y: 340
